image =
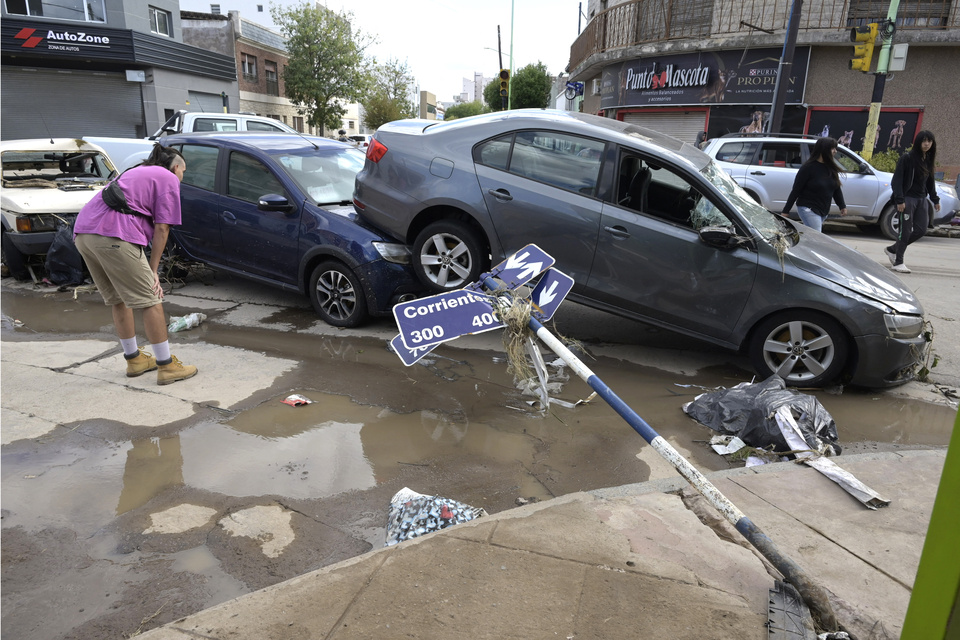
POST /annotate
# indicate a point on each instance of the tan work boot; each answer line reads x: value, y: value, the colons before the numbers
x: 140, y: 364
x: 174, y: 370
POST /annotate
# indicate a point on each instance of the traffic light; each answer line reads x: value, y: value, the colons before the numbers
x: 504, y: 82
x: 863, y: 51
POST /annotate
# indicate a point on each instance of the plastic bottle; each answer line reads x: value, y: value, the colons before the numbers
x: 186, y: 322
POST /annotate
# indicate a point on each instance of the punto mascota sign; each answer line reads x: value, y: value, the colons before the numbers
x: 714, y: 77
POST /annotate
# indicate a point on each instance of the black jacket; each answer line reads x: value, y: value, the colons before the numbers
x: 909, y: 182
x: 814, y: 188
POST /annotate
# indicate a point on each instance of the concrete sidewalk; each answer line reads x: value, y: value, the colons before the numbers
x: 650, y: 560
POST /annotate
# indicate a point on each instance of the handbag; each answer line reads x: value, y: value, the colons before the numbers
x: 114, y: 197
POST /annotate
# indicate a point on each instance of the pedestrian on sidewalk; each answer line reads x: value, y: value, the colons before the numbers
x: 816, y: 184
x: 912, y: 183
x: 112, y: 240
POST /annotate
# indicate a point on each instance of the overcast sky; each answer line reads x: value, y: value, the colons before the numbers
x: 443, y: 41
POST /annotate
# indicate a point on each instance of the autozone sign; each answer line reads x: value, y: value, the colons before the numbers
x: 31, y: 38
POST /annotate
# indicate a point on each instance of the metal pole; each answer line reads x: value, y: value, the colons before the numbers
x: 785, y: 69
x: 503, y: 100
x: 510, y: 81
x: 813, y: 595
x: 880, y: 80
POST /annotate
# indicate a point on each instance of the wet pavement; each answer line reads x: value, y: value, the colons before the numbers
x: 98, y: 467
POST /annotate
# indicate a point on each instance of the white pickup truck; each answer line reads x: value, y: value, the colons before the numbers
x: 126, y: 152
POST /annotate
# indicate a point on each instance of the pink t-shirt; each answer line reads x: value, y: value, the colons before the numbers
x: 152, y: 190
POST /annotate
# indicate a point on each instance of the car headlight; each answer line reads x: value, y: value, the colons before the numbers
x: 392, y: 252
x: 947, y: 189
x: 903, y: 326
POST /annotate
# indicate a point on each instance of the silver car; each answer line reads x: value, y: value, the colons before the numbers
x: 765, y: 166
x: 650, y: 228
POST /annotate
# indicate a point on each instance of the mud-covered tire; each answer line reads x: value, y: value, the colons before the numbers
x: 806, y: 348
x: 16, y: 262
x: 448, y: 255
x: 337, y: 295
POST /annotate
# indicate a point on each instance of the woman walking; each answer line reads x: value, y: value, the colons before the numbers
x: 912, y: 183
x: 816, y: 184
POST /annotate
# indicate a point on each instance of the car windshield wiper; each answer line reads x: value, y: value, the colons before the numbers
x: 338, y: 202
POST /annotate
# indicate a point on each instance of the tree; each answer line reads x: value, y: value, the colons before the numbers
x: 389, y: 98
x: 529, y: 89
x: 465, y: 110
x: 326, y: 67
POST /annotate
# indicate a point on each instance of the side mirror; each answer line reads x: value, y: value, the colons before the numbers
x: 720, y: 237
x: 864, y: 167
x: 275, y: 202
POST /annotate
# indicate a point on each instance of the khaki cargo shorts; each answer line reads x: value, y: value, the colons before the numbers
x: 119, y: 269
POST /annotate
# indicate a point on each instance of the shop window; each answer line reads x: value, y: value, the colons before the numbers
x: 159, y: 21
x: 79, y: 10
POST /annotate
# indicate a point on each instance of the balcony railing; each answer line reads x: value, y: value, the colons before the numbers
x: 639, y: 22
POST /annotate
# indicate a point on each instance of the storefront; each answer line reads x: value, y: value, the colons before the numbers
x: 718, y: 92
x: 69, y: 80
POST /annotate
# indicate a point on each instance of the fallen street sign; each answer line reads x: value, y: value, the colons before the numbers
x: 410, y: 357
x: 549, y: 293
x: 444, y: 317
x: 523, y: 266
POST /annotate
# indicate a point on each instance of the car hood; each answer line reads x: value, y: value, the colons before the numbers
x: 25, y: 200
x: 823, y: 256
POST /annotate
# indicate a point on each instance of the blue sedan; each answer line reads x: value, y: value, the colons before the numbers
x: 277, y: 209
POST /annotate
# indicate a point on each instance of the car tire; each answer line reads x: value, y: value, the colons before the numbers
x: 890, y: 223
x: 16, y: 262
x: 337, y: 295
x: 806, y: 348
x: 448, y: 255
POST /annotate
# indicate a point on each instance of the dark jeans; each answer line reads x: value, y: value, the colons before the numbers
x: 913, y: 225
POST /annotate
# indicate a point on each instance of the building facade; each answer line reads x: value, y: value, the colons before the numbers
x: 103, y: 67
x: 693, y: 66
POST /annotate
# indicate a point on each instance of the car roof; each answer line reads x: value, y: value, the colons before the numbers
x: 257, y: 140
x: 573, y: 122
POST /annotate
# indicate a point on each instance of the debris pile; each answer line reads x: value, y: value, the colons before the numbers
x: 413, y: 514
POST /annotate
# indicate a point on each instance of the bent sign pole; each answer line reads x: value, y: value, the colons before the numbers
x: 813, y: 595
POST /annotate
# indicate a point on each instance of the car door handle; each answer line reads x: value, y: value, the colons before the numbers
x: 757, y: 173
x: 500, y: 194
x: 228, y: 217
x: 617, y: 232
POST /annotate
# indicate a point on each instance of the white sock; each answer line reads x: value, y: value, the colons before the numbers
x: 161, y: 351
x: 129, y: 346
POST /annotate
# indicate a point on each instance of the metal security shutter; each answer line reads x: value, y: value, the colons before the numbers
x: 205, y: 102
x: 69, y: 104
x: 684, y: 126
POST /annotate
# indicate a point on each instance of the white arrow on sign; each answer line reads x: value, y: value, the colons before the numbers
x: 549, y: 293
x: 523, y: 266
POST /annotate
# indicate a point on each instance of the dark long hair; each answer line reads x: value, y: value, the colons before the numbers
x: 162, y: 156
x: 924, y: 164
x: 823, y: 150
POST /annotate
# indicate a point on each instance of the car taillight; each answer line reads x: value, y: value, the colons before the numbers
x: 359, y: 205
x: 376, y: 151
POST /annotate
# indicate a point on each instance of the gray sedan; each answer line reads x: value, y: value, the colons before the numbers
x: 649, y: 228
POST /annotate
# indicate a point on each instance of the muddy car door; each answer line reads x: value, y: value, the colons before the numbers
x: 198, y: 235
x: 541, y: 187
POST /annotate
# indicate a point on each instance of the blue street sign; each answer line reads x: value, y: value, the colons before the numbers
x: 523, y: 266
x: 443, y: 317
x: 549, y: 293
x: 410, y: 356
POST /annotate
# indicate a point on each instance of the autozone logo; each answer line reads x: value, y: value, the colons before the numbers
x: 30, y: 40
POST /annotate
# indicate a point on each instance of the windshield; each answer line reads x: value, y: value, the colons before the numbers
x: 766, y: 223
x: 45, y: 168
x: 325, y: 175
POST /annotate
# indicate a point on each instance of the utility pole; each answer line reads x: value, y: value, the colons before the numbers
x: 785, y: 69
x: 510, y: 79
x: 889, y: 28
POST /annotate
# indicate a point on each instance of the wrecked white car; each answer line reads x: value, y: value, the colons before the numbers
x: 45, y: 183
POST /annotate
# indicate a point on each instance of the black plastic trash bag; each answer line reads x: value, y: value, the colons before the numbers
x: 747, y: 411
x: 64, y: 264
